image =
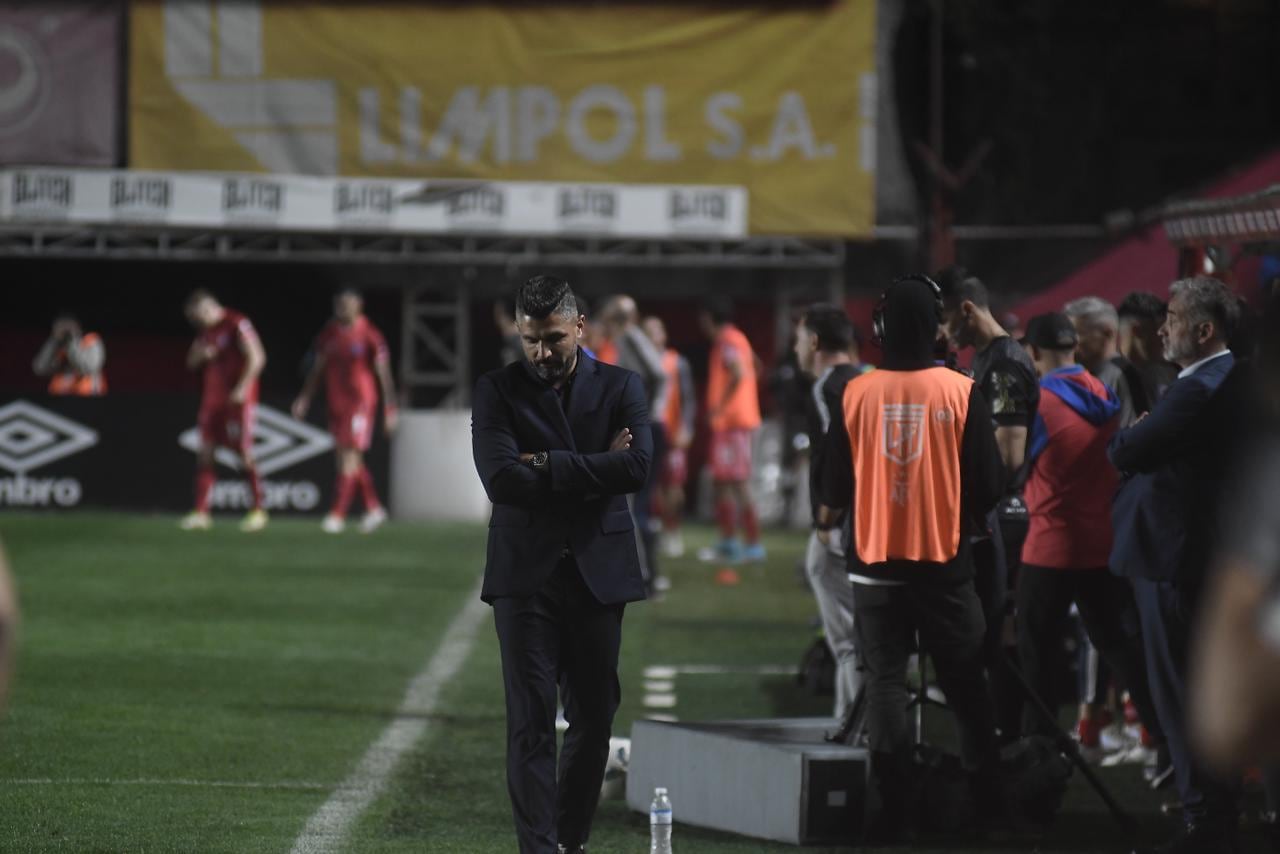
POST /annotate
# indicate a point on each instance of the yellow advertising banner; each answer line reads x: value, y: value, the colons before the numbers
x: 778, y: 98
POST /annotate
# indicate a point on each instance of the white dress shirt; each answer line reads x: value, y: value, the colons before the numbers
x: 1195, y: 366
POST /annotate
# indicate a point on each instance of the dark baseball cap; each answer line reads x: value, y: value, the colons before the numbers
x: 1052, y: 331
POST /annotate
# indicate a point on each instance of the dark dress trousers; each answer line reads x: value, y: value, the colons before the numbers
x: 1174, y: 463
x: 561, y: 564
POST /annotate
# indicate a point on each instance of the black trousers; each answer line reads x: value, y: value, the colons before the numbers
x: 949, y: 619
x: 991, y: 583
x: 1110, y: 619
x: 1004, y: 684
x: 562, y: 639
x: 1166, y: 612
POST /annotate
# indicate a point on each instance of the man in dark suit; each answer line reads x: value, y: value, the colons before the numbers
x: 559, y: 440
x: 1164, y: 517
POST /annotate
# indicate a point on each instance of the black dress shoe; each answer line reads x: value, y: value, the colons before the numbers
x: 577, y: 849
x: 1198, y: 838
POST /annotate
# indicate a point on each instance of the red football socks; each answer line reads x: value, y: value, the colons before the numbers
x: 255, y: 485
x: 205, y: 479
x: 725, y: 511
x: 750, y: 524
x: 367, y: 492
x: 343, y: 490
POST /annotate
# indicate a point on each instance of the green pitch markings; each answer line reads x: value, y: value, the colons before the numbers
x: 217, y: 692
x: 209, y: 692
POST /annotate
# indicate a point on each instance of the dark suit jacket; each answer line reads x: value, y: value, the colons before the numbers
x: 1173, y: 463
x: 579, y: 502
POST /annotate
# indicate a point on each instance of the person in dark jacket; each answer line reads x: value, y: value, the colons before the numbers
x: 559, y: 441
x: 1164, y: 516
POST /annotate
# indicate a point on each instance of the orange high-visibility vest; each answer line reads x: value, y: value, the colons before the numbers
x: 905, y: 432
x: 68, y: 382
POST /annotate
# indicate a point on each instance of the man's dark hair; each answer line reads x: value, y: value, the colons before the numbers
x: 1141, y: 305
x: 719, y: 308
x: 831, y: 325
x: 197, y: 295
x: 348, y: 291
x: 958, y: 285
x: 541, y: 296
x: 66, y: 317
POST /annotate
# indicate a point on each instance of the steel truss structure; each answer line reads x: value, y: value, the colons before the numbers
x: 170, y: 244
x: 435, y: 328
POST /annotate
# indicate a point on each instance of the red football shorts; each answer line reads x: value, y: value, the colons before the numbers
x: 352, y: 427
x: 227, y: 425
x: 731, y: 456
x: 675, y: 468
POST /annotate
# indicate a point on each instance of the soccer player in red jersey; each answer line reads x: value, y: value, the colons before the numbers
x: 229, y: 354
x: 349, y: 352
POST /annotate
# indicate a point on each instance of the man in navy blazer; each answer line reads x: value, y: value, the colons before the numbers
x: 1165, y: 519
x: 559, y: 441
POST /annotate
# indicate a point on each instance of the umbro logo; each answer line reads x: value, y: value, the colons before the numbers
x: 279, y: 441
x: 31, y: 437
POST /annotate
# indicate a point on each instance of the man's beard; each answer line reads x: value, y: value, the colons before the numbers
x: 553, y: 372
x: 550, y: 372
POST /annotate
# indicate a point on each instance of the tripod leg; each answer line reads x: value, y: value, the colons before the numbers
x: 924, y: 690
x: 1070, y: 749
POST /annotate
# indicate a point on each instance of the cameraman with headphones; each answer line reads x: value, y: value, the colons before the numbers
x: 912, y: 453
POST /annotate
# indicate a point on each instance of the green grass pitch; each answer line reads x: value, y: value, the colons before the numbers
x: 205, y: 692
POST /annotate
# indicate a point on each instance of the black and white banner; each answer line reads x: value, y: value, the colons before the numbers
x: 298, y: 203
x: 137, y: 452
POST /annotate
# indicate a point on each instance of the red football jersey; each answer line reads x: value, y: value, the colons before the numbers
x: 223, y: 371
x: 350, y: 353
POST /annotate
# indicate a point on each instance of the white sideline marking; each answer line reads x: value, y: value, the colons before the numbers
x: 296, y: 785
x: 660, y: 701
x: 326, y: 830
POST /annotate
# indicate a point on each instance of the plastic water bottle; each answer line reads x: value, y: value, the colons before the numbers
x: 660, y: 823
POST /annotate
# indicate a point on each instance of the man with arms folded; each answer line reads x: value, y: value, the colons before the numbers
x: 1173, y: 462
x: 559, y: 440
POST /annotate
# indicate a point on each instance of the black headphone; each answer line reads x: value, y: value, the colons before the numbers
x: 877, y: 314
